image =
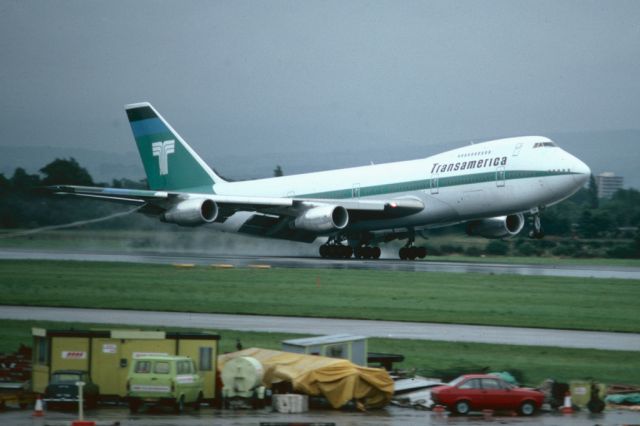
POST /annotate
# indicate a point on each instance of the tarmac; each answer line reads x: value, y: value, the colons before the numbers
x: 300, y: 325
x: 389, y: 416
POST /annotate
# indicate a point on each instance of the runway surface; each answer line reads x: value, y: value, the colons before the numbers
x: 584, y: 271
x: 319, y: 326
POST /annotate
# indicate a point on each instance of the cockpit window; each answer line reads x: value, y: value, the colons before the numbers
x: 542, y: 144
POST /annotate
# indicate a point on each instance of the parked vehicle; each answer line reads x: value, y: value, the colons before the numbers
x: 474, y: 392
x: 164, y: 380
x: 63, y: 390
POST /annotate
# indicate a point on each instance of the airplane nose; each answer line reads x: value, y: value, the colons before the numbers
x: 581, y: 171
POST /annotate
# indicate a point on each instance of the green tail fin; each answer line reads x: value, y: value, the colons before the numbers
x: 169, y: 162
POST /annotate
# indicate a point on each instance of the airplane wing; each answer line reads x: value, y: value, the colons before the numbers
x: 156, y: 202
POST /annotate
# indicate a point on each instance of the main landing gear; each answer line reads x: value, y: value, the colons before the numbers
x: 366, y: 252
x: 334, y: 249
x: 411, y: 252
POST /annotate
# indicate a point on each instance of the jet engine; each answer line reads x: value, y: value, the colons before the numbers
x: 497, y: 227
x: 322, y: 219
x: 192, y: 212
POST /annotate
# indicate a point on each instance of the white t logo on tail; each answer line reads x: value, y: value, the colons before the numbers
x: 162, y: 151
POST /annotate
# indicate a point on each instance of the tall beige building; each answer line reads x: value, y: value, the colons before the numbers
x: 608, y: 183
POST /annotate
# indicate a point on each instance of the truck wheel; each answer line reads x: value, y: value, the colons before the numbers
x: 179, y: 407
x: 92, y: 401
x: 196, y: 405
x: 134, y: 406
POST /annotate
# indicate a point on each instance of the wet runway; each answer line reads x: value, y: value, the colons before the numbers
x: 431, y: 265
x: 384, y: 329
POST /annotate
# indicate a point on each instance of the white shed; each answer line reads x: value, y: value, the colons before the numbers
x: 346, y: 346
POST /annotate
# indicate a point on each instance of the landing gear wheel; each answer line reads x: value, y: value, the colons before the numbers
x: 358, y: 252
x: 412, y: 253
x: 366, y: 252
x: 335, y: 251
x: 376, y: 253
x: 422, y: 252
x: 536, y: 235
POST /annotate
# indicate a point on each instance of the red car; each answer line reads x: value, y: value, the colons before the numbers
x: 481, y: 391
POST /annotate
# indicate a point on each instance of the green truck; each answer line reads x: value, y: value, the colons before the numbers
x: 164, y: 380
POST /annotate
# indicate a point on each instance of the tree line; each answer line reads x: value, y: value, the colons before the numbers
x: 24, y: 202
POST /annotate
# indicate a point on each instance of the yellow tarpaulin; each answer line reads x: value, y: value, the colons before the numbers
x: 338, y: 380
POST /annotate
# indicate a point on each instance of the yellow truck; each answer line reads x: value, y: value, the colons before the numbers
x: 164, y: 380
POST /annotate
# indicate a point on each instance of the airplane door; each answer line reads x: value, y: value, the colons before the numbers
x: 517, y: 149
x: 355, y: 190
x: 433, y: 183
x: 500, y: 177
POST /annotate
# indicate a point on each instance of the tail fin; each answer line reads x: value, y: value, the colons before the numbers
x: 169, y: 162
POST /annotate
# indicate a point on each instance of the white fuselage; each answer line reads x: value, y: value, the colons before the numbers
x: 483, y: 180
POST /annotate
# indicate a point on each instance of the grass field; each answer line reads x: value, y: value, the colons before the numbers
x: 546, y: 302
x: 433, y: 359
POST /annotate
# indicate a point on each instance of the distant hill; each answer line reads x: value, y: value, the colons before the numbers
x: 614, y: 151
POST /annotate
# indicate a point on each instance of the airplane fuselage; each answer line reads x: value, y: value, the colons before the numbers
x: 500, y: 177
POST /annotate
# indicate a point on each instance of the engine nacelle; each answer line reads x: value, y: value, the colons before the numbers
x: 322, y: 219
x: 192, y: 212
x: 497, y: 227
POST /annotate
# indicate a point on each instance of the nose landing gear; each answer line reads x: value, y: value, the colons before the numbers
x: 537, y: 232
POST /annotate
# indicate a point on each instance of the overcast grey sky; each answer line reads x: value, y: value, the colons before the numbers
x: 246, y: 77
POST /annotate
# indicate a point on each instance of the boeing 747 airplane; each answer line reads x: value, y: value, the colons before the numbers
x: 490, y: 186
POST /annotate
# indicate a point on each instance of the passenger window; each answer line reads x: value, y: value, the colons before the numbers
x: 470, y: 384
x: 161, y: 367
x: 143, y: 367
x: 491, y: 384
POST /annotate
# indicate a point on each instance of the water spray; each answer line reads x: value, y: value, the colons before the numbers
x: 69, y: 225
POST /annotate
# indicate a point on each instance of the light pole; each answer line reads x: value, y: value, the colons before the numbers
x: 80, y: 402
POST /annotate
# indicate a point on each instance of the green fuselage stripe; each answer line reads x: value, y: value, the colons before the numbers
x: 424, y: 184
